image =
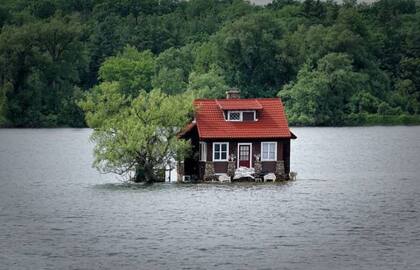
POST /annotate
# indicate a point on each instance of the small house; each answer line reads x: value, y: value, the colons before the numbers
x: 230, y: 133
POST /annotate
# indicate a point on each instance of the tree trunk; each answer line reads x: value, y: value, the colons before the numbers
x: 145, y: 173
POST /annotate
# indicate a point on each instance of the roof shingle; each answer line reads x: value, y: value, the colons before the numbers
x: 211, y: 124
x: 239, y: 104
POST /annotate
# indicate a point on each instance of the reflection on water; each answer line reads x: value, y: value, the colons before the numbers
x: 355, y: 205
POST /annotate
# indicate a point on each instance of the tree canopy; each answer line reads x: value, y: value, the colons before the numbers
x: 333, y: 64
x: 136, y: 136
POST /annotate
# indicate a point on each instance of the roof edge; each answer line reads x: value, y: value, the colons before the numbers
x: 215, y: 99
x: 186, y: 129
x: 247, y: 138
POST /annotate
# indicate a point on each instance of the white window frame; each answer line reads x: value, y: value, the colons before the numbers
x: 214, y: 152
x: 235, y: 120
x: 240, y: 115
x: 203, y: 151
x: 250, y: 154
x: 275, y: 151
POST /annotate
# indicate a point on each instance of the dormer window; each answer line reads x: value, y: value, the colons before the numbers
x: 234, y: 116
x: 241, y: 116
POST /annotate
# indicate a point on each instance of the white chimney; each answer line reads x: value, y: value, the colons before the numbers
x: 233, y: 93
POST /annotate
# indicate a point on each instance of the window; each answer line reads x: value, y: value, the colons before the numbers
x: 235, y: 116
x: 248, y: 116
x: 241, y: 115
x: 269, y: 151
x: 203, y: 151
x: 220, y: 151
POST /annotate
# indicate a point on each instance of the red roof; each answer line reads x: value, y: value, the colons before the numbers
x: 239, y: 104
x: 211, y: 124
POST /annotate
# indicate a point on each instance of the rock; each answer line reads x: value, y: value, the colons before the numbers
x: 258, y: 167
x: 270, y: 177
x: 224, y: 178
x: 231, y: 168
x: 280, y: 174
x: 208, y: 170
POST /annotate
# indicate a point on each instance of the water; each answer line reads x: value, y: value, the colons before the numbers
x: 355, y: 205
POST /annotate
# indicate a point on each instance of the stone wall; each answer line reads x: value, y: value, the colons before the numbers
x: 180, y: 168
x: 208, y: 171
x: 257, y: 167
x: 231, y: 168
x: 280, y: 172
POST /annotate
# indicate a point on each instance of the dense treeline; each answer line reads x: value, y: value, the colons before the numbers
x: 332, y: 64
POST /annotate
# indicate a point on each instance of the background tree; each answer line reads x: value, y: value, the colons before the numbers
x: 131, y: 68
x: 41, y: 62
x: 208, y: 85
x: 248, y: 53
x: 173, y: 67
x: 51, y: 52
x: 320, y: 96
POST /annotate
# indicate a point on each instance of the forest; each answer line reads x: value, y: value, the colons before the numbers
x: 332, y: 64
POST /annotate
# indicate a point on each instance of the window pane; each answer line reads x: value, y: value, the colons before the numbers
x: 264, y: 155
x: 248, y: 116
x: 217, y: 155
x: 224, y: 147
x: 217, y: 147
x: 244, y: 152
x: 269, y: 151
x: 234, y: 116
x: 224, y: 155
x: 265, y: 147
x: 203, y: 151
x: 265, y: 151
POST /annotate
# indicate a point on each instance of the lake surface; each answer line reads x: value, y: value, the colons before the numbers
x: 355, y: 205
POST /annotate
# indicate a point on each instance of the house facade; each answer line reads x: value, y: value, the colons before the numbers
x: 230, y: 133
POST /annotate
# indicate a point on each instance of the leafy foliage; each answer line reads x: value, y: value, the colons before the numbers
x: 333, y: 64
x: 322, y: 95
x: 132, y: 69
x: 41, y: 63
x: 136, y: 135
x: 207, y: 85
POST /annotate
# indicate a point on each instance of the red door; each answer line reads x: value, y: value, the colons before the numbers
x: 244, y: 156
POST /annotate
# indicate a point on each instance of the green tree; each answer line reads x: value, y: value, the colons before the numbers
x: 248, y: 51
x: 173, y: 67
x: 136, y: 136
x: 51, y: 52
x: 3, y: 103
x: 364, y: 102
x: 42, y: 62
x: 108, y: 36
x: 207, y: 85
x: 320, y: 96
x: 131, y: 68
x: 170, y: 81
